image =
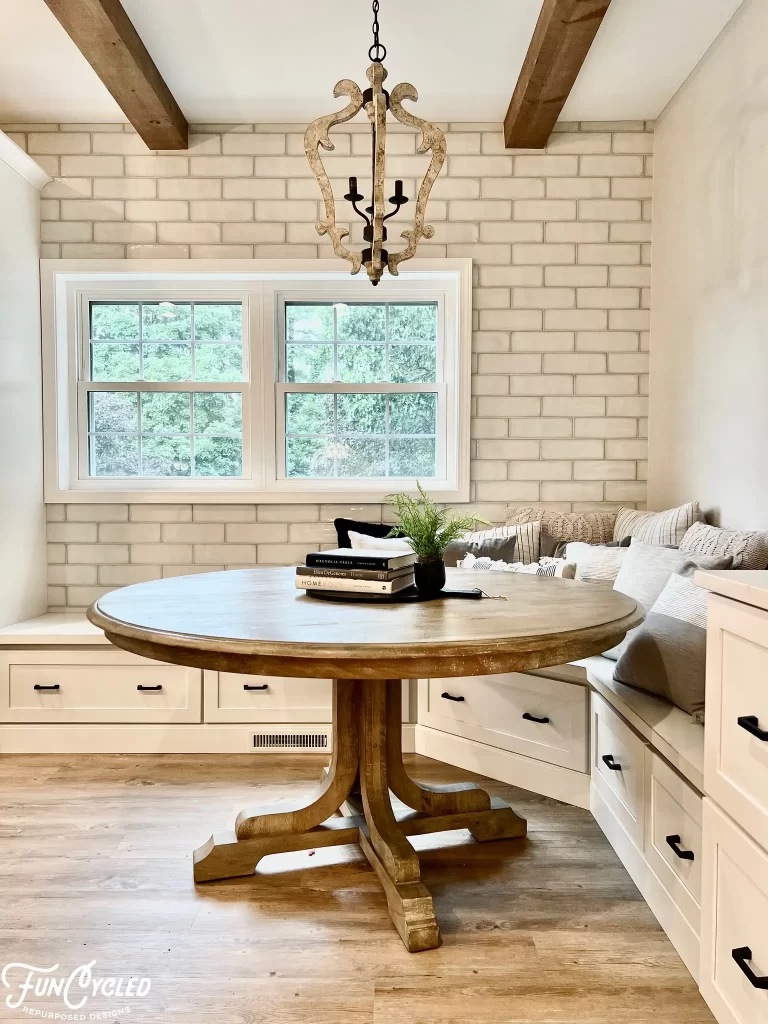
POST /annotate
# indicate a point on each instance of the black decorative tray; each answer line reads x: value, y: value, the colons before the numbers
x: 411, y: 595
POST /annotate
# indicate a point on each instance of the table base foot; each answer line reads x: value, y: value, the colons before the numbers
x: 367, y: 817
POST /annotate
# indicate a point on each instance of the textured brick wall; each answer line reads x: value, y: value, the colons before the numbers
x: 561, y: 247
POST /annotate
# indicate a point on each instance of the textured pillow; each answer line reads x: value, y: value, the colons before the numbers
x: 644, y: 574
x: 749, y: 549
x: 343, y: 526
x: 590, y: 527
x: 667, y: 654
x: 657, y: 527
x: 500, y: 542
x: 596, y: 563
x: 545, y: 567
x: 364, y: 542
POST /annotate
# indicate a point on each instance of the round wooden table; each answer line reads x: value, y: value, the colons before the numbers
x: 255, y: 621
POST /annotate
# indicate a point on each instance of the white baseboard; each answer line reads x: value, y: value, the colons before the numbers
x: 550, y: 780
x: 205, y: 738
x: 678, y: 930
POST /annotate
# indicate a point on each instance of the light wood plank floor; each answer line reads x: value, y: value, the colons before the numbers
x: 95, y: 865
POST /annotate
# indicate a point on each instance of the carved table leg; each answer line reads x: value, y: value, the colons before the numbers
x: 366, y: 746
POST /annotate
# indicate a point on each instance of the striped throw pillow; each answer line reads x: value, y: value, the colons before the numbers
x: 527, y: 537
x: 665, y: 528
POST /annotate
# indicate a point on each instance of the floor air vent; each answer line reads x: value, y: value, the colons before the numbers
x: 290, y: 741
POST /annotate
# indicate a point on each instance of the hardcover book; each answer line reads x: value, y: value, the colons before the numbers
x: 353, y: 574
x: 355, y: 585
x: 348, y: 558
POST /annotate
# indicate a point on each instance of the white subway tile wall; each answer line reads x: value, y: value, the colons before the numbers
x: 561, y: 245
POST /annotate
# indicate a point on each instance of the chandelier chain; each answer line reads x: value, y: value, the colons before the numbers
x: 378, y: 51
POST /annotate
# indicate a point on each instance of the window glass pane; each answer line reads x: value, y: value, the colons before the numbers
x: 166, y: 321
x: 308, y: 322
x: 218, y: 321
x: 362, y: 414
x: 113, y: 412
x: 218, y: 456
x: 114, y: 362
x: 411, y: 456
x: 115, y: 321
x: 413, y: 414
x: 360, y: 456
x: 308, y: 414
x: 220, y: 412
x: 114, y: 455
x: 165, y: 413
x: 308, y: 364
x: 413, y: 322
x: 310, y: 456
x: 362, y: 364
x: 364, y: 322
x: 218, y: 362
x: 167, y: 362
x: 413, y: 364
x: 165, y: 456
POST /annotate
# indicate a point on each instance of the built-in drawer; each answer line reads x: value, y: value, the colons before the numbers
x: 541, y: 718
x: 734, y: 965
x: 736, y: 736
x: 618, y: 767
x: 104, y: 686
x: 673, y: 836
x: 231, y: 697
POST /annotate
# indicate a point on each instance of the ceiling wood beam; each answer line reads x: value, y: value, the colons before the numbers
x: 561, y: 41
x: 104, y: 34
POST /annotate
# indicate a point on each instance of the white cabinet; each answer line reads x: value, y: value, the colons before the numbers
x: 734, y: 963
x: 618, y: 768
x: 736, y: 751
x: 96, y: 686
x: 231, y: 697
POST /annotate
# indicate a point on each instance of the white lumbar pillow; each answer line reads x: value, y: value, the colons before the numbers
x: 362, y: 542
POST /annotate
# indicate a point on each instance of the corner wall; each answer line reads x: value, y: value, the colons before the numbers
x: 22, y: 513
x: 709, y: 365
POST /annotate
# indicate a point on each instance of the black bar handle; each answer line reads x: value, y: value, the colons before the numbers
x: 39, y: 686
x: 449, y: 696
x: 264, y: 686
x: 750, y: 723
x: 145, y: 689
x: 613, y: 765
x: 674, y: 842
x: 741, y: 956
x: 532, y: 718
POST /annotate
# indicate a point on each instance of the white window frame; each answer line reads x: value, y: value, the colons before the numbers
x: 263, y: 287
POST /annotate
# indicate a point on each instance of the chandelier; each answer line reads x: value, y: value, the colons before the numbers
x: 377, y: 101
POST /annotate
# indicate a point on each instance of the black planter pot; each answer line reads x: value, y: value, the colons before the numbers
x: 429, y: 575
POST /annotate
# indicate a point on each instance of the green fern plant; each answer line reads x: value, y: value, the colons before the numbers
x: 430, y: 529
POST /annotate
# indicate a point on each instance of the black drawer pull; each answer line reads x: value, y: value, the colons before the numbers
x: 532, y: 718
x: 674, y: 842
x: 146, y: 689
x: 449, y: 696
x: 741, y: 956
x: 39, y: 686
x: 750, y: 723
x: 264, y: 686
x: 613, y: 765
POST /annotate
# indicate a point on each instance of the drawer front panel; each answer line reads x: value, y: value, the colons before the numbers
x: 540, y: 718
x: 736, y: 766
x: 243, y: 698
x: 105, y: 687
x: 618, y: 767
x: 674, y: 823
x: 737, y: 921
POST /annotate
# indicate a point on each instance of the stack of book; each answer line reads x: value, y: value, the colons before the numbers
x: 348, y: 571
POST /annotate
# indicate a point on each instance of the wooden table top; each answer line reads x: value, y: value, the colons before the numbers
x: 256, y: 621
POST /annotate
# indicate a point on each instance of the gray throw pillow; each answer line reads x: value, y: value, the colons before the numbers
x: 667, y: 654
x: 491, y: 547
x: 644, y: 574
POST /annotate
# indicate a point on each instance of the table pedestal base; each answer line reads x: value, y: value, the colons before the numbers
x: 367, y: 751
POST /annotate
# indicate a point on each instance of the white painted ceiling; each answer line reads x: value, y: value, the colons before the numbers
x: 266, y: 60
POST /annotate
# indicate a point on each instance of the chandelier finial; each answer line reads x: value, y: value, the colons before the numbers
x: 377, y: 103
